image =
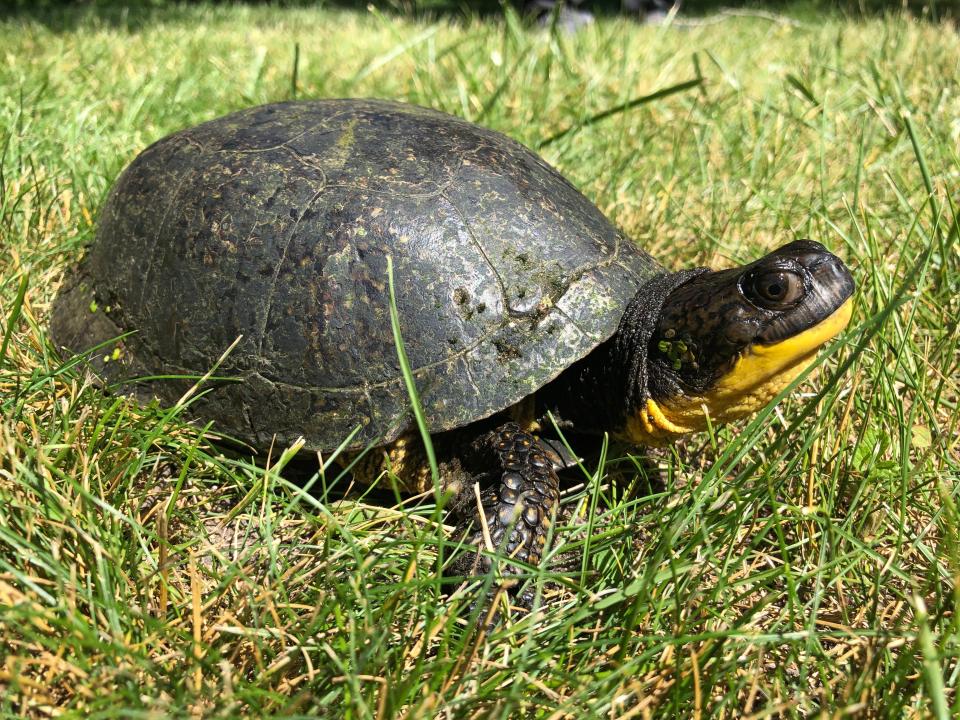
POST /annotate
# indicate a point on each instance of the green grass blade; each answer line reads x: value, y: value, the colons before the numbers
x: 14, y: 315
x: 622, y: 107
x: 408, y: 380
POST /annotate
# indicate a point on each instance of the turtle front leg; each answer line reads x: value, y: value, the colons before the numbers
x: 518, y: 503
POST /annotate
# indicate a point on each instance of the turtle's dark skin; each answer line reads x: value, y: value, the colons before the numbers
x: 516, y: 297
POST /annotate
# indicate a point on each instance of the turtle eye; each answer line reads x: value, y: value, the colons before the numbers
x: 774, y: 288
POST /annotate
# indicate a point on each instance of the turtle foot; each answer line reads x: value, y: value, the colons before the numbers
x: 510, y: 524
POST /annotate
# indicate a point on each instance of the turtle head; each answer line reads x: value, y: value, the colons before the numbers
x: 727, y: 342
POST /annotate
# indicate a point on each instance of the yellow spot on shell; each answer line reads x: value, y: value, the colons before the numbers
x: 346, y: 138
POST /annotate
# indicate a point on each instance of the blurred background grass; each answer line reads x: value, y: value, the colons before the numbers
x: 804, y: 564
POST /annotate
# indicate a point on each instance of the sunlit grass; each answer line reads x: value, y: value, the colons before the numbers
x: 803, y: 562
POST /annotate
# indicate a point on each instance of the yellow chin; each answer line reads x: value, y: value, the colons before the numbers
x: 758, y: 375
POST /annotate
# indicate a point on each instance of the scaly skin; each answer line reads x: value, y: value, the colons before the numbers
x: 518, y: 508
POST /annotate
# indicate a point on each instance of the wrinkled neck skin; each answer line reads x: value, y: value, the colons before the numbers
x: 605, y: 390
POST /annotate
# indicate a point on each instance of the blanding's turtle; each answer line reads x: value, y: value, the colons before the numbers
x: 516, y: 298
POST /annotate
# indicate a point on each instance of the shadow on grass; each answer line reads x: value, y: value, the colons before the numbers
x: 66, y: 15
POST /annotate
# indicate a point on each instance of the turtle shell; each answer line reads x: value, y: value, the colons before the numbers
x: 274, y: 225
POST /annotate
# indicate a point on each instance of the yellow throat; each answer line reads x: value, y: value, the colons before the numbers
x: 758, y: 375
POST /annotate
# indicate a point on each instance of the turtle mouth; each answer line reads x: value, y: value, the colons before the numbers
x: 828, y: 287
x: 788, y: 357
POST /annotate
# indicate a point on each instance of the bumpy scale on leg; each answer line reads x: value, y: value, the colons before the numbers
x: 518, y: 506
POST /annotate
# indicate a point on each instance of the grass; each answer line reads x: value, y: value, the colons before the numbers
x: 802, y: 564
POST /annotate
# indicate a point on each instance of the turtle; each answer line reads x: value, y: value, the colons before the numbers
x: 258, y: 244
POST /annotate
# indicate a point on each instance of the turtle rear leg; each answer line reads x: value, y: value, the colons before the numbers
x: 518, y: 503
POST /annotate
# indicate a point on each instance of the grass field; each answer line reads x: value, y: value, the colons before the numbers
x: 805, y: 564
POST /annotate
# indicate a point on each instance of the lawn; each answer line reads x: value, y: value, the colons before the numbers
x: 805, y: 563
